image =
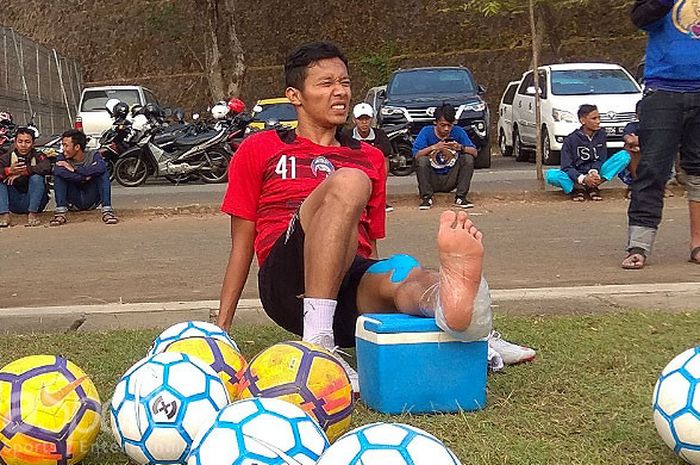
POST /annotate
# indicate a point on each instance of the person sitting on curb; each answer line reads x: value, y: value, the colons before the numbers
x: 444, y: 157
x: 81, y: 180
x: 584, y: 159
x: 363, y: 131
x: 22, y: 185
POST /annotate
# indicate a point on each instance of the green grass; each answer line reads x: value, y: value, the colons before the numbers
x: 586, y: 400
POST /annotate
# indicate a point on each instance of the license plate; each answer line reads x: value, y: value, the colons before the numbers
x: 614, y: 130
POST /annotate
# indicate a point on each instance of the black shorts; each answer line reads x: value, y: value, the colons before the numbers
x: 281, y: 287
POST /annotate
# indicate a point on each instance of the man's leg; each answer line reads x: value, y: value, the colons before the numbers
x: 424, y: 174
x: 38, y: 198
x: 105, y: 192
x: 690, y: 164
x: 19, y: 201
x: 4, y: 206
x: 615, y: 165
x: 464, y: 175
x: 559, y: 178
x: 660, y: 133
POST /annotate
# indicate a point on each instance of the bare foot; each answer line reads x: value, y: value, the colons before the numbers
x: 461, y: 260
x: 33, y: 220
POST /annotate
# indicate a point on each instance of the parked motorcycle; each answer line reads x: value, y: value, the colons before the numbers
x: 401, y: 161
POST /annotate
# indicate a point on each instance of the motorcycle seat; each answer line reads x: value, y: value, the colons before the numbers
x: 164, y: 138
x: 195, y: 140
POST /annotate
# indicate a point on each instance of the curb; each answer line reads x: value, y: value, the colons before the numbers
x: 130, y: 316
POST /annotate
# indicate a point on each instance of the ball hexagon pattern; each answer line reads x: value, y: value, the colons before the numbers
x: 189, y: 329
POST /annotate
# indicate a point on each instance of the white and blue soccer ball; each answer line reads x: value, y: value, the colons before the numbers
x: 388, y: 444
x: 161, y: 404
x: 260, y: 431
x: 189, y: 329
x: 676, y: 404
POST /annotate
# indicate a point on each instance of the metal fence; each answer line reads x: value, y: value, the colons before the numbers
x: 35, y: 80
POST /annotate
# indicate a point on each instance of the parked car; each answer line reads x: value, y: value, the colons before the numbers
x: 93, y: 117
x: 373, y: 99
x: 412, y: 95
x: 505, y: 119
x: 563, y: 89
x: 273, y: 111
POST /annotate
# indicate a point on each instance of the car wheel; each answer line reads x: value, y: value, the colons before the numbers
x: 549, y: 156
x: 506, y: 151
x: 518, y: 150
x: 483, y: 158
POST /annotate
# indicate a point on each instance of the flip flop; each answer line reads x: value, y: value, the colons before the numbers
x: 33, y: 223
x: 595, y: 195
x: 636, y: 259
x: 695, y: 256
x: 59, y: 219
x: 109, y: 218
x: 579, y: 197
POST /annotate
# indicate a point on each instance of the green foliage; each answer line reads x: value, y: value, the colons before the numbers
x: 167, y: 21
x: 377, y: 67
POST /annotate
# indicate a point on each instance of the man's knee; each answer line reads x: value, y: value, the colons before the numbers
x: 351, y: 184
x: 423, y: 162
x: 466, y: 160
x: 36, y: 180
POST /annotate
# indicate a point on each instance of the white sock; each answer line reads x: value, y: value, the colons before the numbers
x: 318, y: 317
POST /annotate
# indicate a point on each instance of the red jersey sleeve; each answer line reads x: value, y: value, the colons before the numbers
x: 377, y: 202
x: 245, y: 178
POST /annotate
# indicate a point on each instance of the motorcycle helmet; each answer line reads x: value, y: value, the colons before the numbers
x: 140, y: 123
x: 5, y: 117
x: 179, y: 114
x: 152, y: 109
x: 136, y: 110
x: 219, y: 111
x: 120, y: 110
x: 236, y: 105
x: 111, y: 103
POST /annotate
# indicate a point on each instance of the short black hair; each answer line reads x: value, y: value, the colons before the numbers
x: 301, y: 58
x: 638, y: 107
x: 446, y: 112
x: 585, y: 110
x: 28, y: 131
x: 77, y: 136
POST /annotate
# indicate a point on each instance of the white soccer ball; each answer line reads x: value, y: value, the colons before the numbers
x: 388, y: 444
x: 189, y: 329
x: 676, y: 405
x: 160, y: 405
x: 260, y: 431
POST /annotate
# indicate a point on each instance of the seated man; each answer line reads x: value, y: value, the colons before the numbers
x: 444, y: 157
x: 363, y: 131
x: 310, y: 203
x: 22, y: 185
x: 81, y: 180
x: 584, y: 159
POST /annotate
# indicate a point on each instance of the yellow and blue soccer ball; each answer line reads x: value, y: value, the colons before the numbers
x: 189, y: 329
x: 50, y: 412
x: 260, y: 431
x: 305, y: 375
x: 221, y: 357
x: 676, y: 405
x: 160, y: 405
x: 388, y: 443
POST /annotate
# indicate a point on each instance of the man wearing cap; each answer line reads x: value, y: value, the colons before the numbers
x: 363, y: 131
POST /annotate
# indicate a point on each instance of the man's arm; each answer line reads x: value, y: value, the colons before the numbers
x: 96, y: 168
x: 568, y: 159
x: 646, y: 12
x: 65, y: 173
x: 466, y: 144
x: 239, y: 260
x: 421, y: 147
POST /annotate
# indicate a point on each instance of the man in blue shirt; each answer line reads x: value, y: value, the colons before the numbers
x: 444, y: 157
x: 670, y: 119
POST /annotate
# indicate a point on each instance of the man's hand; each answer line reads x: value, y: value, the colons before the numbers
x: 632, y: 143
x: 66, y: 165
x: 593, y: 179
x: 17, y: 168
x: 440, y: 145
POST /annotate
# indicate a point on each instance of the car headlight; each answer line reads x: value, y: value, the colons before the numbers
x: 389, y: 110
x: 478, y: 106
x: 563, y: 116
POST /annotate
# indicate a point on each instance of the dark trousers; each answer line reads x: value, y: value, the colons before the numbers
x: 459, y: 177
x: 83, y: 196
x: 669, y: 121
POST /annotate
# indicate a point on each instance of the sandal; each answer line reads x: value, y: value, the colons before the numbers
x: 59, y: 219
x: 32, y: 222
x: 635, y: 260
x: 4, y: 220
x: 109, y: 218
x: 595, y: 195
x: 695, y: 256
x: 579, y: 197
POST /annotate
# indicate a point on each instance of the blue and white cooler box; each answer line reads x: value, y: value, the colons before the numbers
x: 408, y: 364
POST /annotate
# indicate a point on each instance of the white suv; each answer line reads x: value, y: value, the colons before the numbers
x: 93, y: 117
x: 563, y: 89
x: 505, y: 119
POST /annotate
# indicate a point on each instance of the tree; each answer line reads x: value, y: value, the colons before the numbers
x: 224, y: 77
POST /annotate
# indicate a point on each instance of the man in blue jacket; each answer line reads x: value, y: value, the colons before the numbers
x: 670, y: 120
x: 81, y: 180
x: 584, y: 159
x: 444, y: 157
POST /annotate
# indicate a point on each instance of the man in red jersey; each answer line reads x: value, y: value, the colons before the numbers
x: 310, y: 203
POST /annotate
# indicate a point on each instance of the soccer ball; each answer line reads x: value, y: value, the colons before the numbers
x: 260, y: 431
x: 160, y: 405
x: 676, y: 405
x: 388, y: 444
x: 189, y: 329
x: 226, y: 361
x: 50, y: 412
x: 305, y: 375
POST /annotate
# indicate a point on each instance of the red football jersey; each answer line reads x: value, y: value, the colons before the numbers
x: 273, y: 172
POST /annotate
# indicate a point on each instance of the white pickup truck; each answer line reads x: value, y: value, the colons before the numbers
x: 93, y: 117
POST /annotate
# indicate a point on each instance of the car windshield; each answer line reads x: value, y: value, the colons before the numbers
x: 438, y: 81
x: 592, y: 82
x: 277, y: 112
x: 96, y: 99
